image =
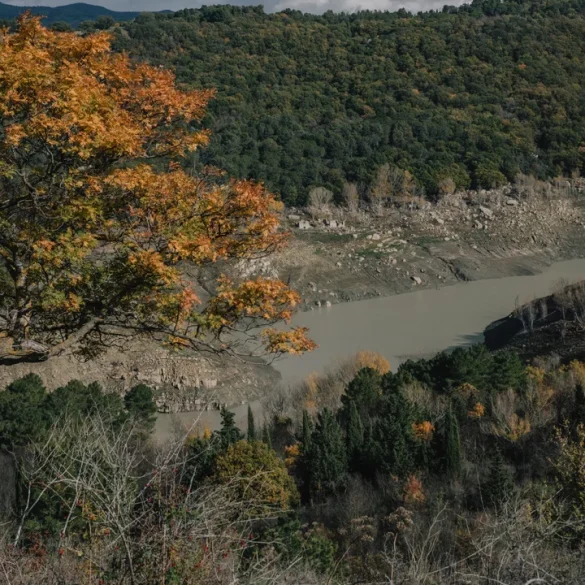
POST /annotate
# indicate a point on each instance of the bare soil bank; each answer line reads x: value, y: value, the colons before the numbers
x: 471, y: 236
x: 433, y: 247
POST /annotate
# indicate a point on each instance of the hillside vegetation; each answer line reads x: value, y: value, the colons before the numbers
x: 475, y: 94
x: 465, y: 468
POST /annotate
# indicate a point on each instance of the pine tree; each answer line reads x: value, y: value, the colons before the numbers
x: 229, y: 432
x: 354, y: 436
x: 327, y: 459
x: 24, y: 416
x: 500, y: 484
x: 393, y: 441
x: 364, y: 391
x: 251, y: 425
x: 452, y: 444
x: 139, y: 402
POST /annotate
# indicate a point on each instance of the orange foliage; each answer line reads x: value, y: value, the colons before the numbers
x: 413, y: 491
x: 291, y: 454
x: 478, y: 411
x: 371, y: 359
x: 518, y: 427
x: 94, y: 235
x: 423, y: 431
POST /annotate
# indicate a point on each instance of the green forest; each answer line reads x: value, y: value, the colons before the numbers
x: 477, y: 93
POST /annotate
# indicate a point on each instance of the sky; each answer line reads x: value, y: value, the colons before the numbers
x: 314, y: 6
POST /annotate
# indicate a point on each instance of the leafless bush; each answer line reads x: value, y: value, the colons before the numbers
x: 527, y: 313
x: 530, y: 187
x: 350, y: 197
x: 446, y: 186
x: 521, y: 544
x: 416, y: 393
x: 393, y: 185
x: 320, y: 201
x: 136, y: 513
x: 570, y: 298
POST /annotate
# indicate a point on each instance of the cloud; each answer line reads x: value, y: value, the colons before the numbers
x: 313, y: 6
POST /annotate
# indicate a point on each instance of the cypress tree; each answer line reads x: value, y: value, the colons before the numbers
x: 229, y: 432
x: 266, y: 436
x: 306, y: 432
x: 327, y: 459
x: 393, y: 442
x: 452, y: 444
x: 579, y: 409
x: 354, y: 436
x: 251, y: 425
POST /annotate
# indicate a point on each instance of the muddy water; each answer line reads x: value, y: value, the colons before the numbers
x: 414, y: 324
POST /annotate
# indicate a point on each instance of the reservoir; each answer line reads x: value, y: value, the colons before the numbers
x: 416, y: 324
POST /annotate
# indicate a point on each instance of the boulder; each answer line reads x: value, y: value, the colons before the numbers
x: 416, y: 279
x: 486, y: 211
x: 512, y: 202
x: 304, y: 225
x: 294, y: 217
x: 376, y: 236
x: 334, y: 223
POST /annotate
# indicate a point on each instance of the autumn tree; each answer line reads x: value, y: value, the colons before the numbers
x: 98, y: 215
x: 255, y: 473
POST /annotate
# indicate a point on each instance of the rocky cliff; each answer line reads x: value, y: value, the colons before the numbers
x: 181, y: 382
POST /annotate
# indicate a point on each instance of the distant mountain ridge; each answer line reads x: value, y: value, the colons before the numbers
x: 72, y: 14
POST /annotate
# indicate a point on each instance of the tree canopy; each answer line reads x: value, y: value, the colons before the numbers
x: 472, y: 95
x: 98, y: 209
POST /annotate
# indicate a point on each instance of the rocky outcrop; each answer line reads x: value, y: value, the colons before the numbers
x: 550, y: 325
x: 181, y: 382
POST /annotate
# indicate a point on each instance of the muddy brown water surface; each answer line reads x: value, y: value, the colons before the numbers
x: 410, y: 325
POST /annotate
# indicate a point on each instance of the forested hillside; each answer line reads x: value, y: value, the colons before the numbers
x: 477, y: 93
x: 73, y: 14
